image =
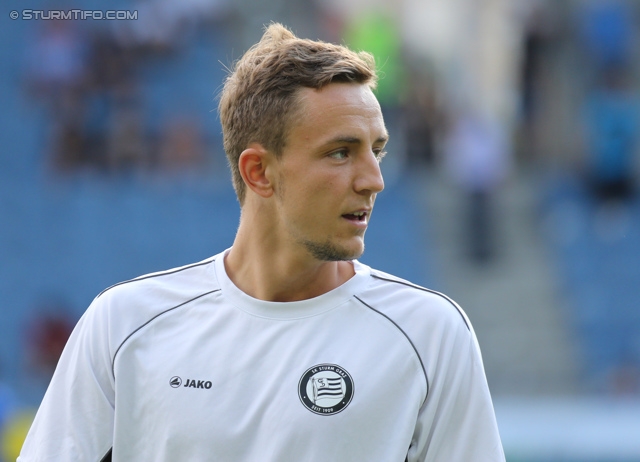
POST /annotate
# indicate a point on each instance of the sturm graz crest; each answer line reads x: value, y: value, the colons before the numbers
x: 325, y: 389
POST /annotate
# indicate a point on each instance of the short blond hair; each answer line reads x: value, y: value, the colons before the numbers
x: 259, y: 97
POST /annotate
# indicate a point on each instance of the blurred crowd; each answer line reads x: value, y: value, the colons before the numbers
x: 598, y: 42
x: 577, y: 113
x: 88, y: 75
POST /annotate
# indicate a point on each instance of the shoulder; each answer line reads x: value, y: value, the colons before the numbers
x: 186, y: 279
x: 436, y: 327
x: 190, y: 275
x: 125, y: 307
x: 406, y: 302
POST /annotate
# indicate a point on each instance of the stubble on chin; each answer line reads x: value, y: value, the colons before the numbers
x: 328, y: 251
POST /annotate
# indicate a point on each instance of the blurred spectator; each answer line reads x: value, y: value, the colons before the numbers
x: 608, y: 32
x: 422, y: 118
x: 540, y: 39
x: 164, y: 26
x: 182, y: 145
x: 47, y: 335
x: 378, y: 33
x: 56, y: 61
x: 156, y: 30
x: 96, y: 124
x: 12, y: 436
x: 331, y: 22
x: 68, y: 131
x: 111, y: 62
x: 611, y: 118
x: 127, y: 141
x: 69, y: 146
x: 544, y: 36
x: 477, y: 158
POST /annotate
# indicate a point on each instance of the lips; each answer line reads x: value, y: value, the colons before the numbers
x: 357, y: 216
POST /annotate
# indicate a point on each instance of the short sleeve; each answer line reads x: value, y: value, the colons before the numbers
x: 75, y: 419
x: 457, y: 421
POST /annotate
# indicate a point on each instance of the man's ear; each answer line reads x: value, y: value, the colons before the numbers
x: 255, y: 165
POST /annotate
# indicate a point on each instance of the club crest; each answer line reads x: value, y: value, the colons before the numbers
x: 325, y: 389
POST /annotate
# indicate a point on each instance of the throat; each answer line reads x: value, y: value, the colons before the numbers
x: 306, y: 285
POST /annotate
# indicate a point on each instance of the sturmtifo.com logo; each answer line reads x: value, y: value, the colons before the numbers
x: 325, y: 389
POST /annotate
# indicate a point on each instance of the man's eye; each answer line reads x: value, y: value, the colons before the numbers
x: 380, y: 155
x: 342, y: 154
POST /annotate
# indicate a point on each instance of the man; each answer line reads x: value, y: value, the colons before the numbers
x: 284, y: 347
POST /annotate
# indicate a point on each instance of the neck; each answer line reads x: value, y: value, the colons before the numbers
x: 275, y: 271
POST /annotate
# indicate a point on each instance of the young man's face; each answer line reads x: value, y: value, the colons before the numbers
x: 329, y: 173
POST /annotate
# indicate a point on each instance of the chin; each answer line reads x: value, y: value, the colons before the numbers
x: 330, y: 251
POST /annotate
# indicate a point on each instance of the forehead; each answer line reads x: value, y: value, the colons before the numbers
x: 347, y: 107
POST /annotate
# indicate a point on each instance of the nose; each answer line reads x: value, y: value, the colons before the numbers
x: 369, y: 176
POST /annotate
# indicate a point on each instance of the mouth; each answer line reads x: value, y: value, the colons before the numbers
x: 359, y: 217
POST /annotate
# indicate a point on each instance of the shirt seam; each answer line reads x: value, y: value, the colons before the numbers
x: 424, y: 289
x: 424, y: 370
x: 155, y: 275
x: 149, y: 321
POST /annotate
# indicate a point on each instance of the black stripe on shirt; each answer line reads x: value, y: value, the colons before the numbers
x: 415, y: 286
x: 107, y: 456
x: 424, y: 370
x: 162, y: 273
x: 113, y: 363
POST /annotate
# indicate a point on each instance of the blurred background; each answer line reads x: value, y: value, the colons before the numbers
x: 511, y: 183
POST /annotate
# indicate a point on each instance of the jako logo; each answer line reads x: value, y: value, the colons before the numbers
x: 199, y: 384
x: 176, y: 381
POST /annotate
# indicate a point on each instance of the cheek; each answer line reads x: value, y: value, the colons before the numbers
x: 311, y: 206
x: 312, y: 191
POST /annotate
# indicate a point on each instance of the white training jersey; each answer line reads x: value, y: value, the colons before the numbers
x: 183, y: 366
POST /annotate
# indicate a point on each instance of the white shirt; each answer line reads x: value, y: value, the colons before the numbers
x: 183, y: 366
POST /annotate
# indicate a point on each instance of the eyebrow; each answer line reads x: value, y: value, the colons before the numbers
x: 354, y: 140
